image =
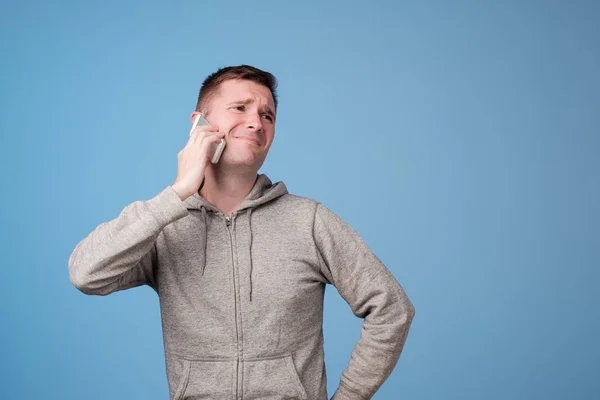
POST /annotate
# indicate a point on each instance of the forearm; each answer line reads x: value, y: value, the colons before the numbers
x: 377, y: 352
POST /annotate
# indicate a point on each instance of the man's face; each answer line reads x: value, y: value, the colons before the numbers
x: 245, y: 111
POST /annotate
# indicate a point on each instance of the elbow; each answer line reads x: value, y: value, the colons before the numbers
x: 84, y: 281
x: 404, y: 322
x: 406, y: 309
x: 88, y: 286
x: 77, y: 276
x: 406, y: 314
x: 410, y: 312
x: 410, y: 309
x: 81, y: 281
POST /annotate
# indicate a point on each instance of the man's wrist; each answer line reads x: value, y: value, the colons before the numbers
x: 182, y: 193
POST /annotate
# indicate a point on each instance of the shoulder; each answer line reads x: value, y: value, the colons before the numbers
x: 306, y: 207
x: 293, y: 199
x: 299, y: 208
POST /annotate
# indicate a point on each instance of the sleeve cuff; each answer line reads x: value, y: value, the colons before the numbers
x: 167, y: 207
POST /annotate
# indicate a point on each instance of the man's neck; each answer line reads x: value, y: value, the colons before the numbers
x: 227, y: 190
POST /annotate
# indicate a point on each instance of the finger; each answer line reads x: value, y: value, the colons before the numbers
x: 212, y: 138
x: 204, y: 128
x: 209, y: 141
x: 198, y: 139
x: 198, y: 136
x: 197, y: 142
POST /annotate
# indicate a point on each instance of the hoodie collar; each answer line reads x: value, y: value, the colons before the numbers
x: 262, y: 192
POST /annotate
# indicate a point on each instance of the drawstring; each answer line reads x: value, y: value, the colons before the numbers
x: 204, y: 238
x: 250, y: 246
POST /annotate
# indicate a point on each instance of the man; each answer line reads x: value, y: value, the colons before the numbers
x: 240, y: 265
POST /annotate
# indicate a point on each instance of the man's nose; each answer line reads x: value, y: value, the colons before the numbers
x: 254, y: 122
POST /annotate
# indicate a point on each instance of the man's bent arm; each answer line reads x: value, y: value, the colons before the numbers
x: 120, y: 254
x: 373, y: 294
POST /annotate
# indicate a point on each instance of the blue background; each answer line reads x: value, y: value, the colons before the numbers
x: 459, y: 138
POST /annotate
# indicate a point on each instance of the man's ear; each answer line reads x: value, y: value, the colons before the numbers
x: 193, y: 116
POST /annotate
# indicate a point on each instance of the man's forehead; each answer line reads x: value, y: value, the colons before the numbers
x: 246, y: 91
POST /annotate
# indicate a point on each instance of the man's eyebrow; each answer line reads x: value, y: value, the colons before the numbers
x: 245, y: 102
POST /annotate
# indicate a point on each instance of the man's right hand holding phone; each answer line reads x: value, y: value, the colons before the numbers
x: 193, y: 159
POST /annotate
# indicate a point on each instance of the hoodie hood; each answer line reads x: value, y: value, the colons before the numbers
x: 262, y: 192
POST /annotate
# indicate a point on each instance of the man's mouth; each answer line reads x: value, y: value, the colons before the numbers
x: 248, y: 139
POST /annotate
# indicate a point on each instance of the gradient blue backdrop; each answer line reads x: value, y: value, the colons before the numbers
x: 459, y: 138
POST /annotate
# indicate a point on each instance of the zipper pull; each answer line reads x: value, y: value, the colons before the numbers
x: 227, y: 220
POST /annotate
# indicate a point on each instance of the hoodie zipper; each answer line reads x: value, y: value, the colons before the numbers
x: 229, y: 222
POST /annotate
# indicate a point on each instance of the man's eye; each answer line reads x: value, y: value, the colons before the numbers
x: 239, y: 108
x: 268, y: 117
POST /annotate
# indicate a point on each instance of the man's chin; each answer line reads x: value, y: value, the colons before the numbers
x: 242, y: 162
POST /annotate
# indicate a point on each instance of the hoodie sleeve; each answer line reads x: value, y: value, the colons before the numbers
x: 373, y: 295
x: 121, y: 254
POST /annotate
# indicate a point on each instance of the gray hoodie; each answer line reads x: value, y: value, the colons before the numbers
x: 241, y: 297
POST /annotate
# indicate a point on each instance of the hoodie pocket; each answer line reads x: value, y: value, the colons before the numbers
x: 206, y: 379
x: 272, y: 378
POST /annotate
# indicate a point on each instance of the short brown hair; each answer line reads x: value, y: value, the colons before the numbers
x: 241, y: 72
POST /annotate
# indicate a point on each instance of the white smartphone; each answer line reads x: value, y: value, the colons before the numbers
x: 201, y: 121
